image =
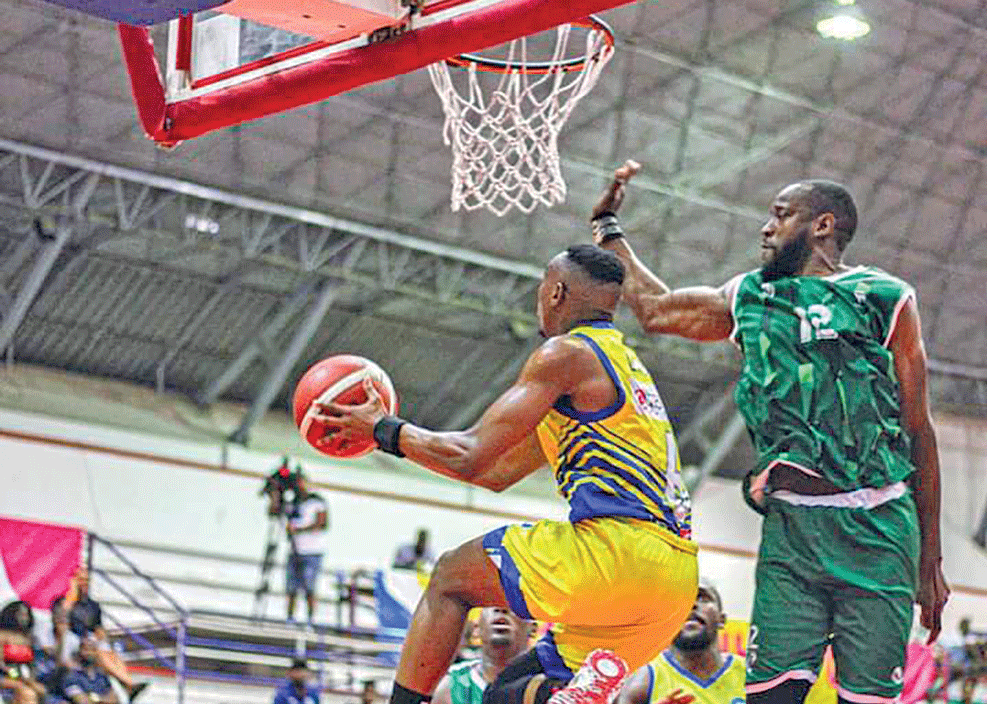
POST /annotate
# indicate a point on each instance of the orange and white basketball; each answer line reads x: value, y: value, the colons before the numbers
x: 338, y: 379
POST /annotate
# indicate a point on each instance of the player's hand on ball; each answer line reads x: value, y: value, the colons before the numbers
x: 677, y: 697
x: 614, y: 195
x: 357, y: 421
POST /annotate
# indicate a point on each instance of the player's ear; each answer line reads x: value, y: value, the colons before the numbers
x: 824, y: 225
x: 559, y: 292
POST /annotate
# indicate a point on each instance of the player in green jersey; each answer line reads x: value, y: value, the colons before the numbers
x: 503, y: 636
x: 833, y: 391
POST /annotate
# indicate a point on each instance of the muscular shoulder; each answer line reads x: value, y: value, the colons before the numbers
x: 567, y: 353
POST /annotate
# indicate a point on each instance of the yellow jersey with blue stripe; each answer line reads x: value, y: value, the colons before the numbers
x: 621, y: 460
x: 725, y: 686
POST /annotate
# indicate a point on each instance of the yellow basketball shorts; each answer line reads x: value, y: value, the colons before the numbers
x: 618, y: 583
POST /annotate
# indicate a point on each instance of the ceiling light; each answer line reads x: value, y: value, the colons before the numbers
x: 845, y: 3
x: 200, y: 224
x: 846, y: 27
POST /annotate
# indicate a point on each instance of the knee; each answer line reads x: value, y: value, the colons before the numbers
x: 449, y: 578
x: 442, y: 579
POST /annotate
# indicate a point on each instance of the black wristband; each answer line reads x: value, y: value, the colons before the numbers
x: 607, y: 227
x: 387, y: 432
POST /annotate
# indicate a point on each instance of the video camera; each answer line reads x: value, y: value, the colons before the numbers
x: 281, y: 487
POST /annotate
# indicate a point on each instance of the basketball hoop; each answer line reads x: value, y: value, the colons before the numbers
x: 505, y: 142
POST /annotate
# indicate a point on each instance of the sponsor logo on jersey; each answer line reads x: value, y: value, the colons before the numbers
x: 647, y: 401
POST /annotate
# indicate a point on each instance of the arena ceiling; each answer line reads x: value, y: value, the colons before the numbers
x: 333, y: 231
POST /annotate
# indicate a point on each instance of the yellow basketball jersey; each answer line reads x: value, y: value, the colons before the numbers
x: 621, y: 460
x: 725, y: 687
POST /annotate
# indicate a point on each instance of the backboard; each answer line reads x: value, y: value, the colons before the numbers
x: 249, y: 58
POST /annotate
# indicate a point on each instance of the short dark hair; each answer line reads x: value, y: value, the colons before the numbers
x: 601, y: 265
x: 299, y: 664
x: 831, y: 197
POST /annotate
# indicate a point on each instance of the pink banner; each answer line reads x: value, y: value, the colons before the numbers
x: 38, y: 560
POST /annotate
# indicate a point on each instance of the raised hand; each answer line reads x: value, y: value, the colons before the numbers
x: 614, y: 195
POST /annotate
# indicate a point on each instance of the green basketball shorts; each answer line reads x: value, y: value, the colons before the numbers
x: 840, y: 576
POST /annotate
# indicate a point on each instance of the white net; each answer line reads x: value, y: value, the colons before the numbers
x: 505, y: 141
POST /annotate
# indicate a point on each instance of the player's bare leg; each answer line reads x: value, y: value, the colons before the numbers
x: 463, y: 579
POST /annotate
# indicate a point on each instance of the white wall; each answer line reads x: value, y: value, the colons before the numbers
x: 160, y: 503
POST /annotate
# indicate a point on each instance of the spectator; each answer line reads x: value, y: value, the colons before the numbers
x: 693, y: 669
x: 59, y: 641
x: 85, y: 618
x: 415, y: 556
x: 503, y: 636
x: 16, y: 655
x: 296, y: 689
x: 307, y: 524
x: 368, y: 695
x: 53, y: 652
x: 88, y: 684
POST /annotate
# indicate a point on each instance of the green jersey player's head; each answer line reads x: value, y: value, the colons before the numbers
x: 807, y: 218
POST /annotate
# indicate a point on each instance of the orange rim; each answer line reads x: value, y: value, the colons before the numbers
x: 483, y: 63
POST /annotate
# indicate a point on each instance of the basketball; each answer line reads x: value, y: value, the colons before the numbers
x: 338, y: 379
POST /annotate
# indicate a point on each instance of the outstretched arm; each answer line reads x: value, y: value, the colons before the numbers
x: 910, y: 367
x: 501, y: 448
x: 698, y: 313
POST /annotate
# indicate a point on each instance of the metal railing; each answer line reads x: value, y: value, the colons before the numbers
x: 183, y: 641
x: 177, y: 631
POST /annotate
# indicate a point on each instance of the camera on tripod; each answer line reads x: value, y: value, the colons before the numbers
x: 281, y: 488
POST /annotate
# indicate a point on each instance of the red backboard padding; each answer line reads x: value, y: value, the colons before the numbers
x: 320, y: 79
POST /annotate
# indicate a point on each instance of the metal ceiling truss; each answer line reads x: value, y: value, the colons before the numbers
x: 278, y: 373
x: 102, y: 208
x: 714, y: 432
x: 468, y: 414
x: 47, y: 247
x: 108, y: 211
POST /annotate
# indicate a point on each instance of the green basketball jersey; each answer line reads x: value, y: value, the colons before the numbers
x: 466, y: 682
x: 818, y: 389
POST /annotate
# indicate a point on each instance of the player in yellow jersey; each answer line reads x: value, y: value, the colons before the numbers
x: 619, y: 577
x: 693, y: 670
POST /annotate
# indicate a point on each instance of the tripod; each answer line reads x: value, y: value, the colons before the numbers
x: 276, y: 527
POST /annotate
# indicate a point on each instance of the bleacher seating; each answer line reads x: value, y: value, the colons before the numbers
x: 226, y: 650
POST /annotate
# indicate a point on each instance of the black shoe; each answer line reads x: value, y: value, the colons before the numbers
x: 137, y: 690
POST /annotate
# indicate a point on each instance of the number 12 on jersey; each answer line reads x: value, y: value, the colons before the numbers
x: 812, y: 323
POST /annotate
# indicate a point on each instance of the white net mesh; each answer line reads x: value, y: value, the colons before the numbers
x: 505, y: 141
